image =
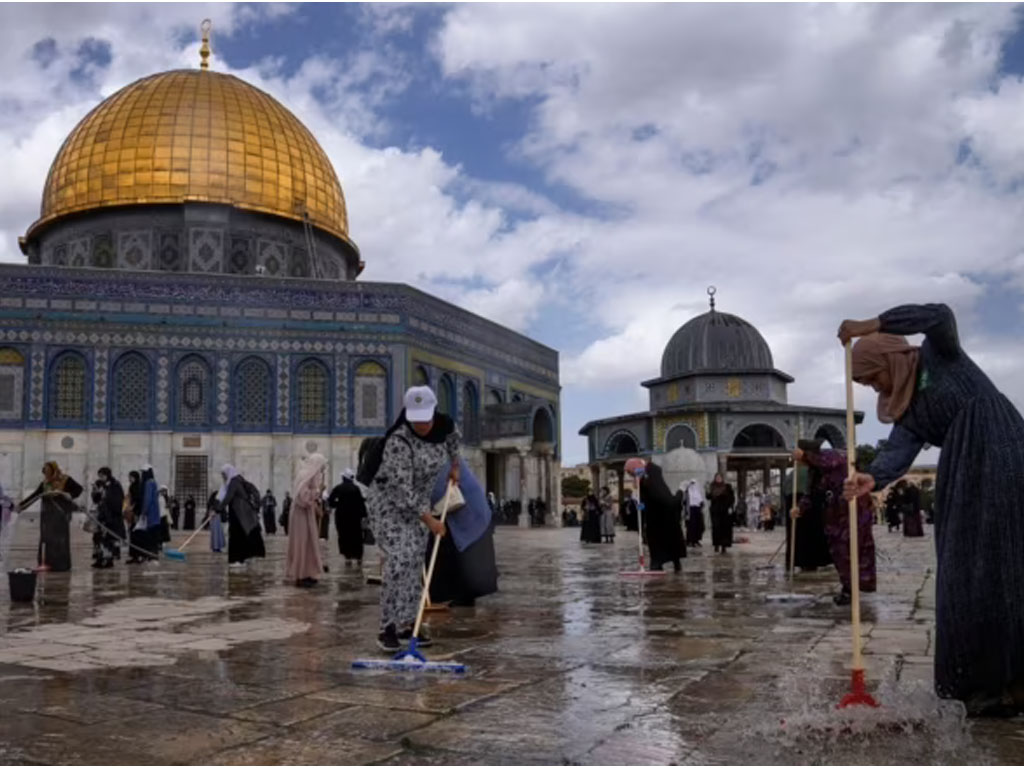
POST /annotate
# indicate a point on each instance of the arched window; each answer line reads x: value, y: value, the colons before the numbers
x: 446, y: 395
x: 495, y: 397
x: 12, y: 383
x: 371, y: 395
x: 420, y: 377
x: 68, y: 388
x: 680, y: 436
x: 313, y: 402
x: 470, y: 414
x: 252, y: 394
x: 131, y: 391
x: 193, y: 401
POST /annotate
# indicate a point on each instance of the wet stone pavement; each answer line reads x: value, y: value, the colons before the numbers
x: 568, y: 664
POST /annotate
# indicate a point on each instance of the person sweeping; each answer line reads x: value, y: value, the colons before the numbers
x: 936, y: 394
x: 414, y: 451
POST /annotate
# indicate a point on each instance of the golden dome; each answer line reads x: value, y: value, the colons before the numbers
x: 194, y: 135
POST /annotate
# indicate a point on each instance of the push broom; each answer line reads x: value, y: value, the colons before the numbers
x: 635, y: 467
x: 411, y: 659
x: 858, y: 694
x: 179, y: 554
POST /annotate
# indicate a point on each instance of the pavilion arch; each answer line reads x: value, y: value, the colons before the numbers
x: 420, y: 377
x: 543, y: 426
x: 832, y: 435
x: 758, y: 435
x: 680, y: 436
x: 495, y: 397
x: 446, y: 402
x: 470, y: 413
x: 622, y: 443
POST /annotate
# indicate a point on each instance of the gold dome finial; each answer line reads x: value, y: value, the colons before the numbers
x: 204, y: 49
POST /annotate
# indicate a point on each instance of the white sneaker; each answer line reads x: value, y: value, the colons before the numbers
x: 236, y: 566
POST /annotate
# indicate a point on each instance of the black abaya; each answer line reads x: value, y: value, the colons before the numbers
x: 722, y: 500
x: 660, y: 519
x: 349, y: 512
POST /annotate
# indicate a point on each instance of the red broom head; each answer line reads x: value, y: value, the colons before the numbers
x: 858, y: 695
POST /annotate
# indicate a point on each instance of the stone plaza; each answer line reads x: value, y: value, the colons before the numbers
x: 568, y: 664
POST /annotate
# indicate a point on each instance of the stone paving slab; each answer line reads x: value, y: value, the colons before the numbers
x: 569, y: 663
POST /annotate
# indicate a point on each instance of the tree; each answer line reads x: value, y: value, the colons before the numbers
x: 865, y: 455
x: 574, y: 487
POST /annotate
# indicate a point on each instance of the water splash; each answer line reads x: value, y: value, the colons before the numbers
x: 911, y: 725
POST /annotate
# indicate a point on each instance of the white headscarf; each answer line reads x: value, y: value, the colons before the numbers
x: 230, y: 473
x: 694, y: 494
x: 348, y: 474
x: 309, y: 472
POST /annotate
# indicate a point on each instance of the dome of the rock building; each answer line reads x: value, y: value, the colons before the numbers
x: 716, y: 341
x: 194, y: 136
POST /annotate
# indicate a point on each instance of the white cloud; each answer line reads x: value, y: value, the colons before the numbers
x: 852, y: 118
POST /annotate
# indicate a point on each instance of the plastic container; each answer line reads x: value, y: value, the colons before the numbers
x: 22, y: 583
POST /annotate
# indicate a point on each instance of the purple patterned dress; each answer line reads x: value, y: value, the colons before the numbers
x: 829, y: 477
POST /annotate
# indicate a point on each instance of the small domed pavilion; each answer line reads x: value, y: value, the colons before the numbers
x: 719, y: 405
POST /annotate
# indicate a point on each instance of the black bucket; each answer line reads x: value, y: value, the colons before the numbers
x: 22, y: 585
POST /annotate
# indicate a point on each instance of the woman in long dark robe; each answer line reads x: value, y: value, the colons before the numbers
x: 269, y: 505
x: 590, y: 529
x: 722, y: 499
x: 936, y: 394
x: 910, y: 512
x: 109, y: 498
x: 244, y: 538
x: 189, y: 523
x: 812, y: 551
x: 660, y: 519
x: 349, y: 512
x: 57, y: 492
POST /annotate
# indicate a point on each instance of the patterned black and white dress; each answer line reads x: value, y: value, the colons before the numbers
x: 398, y: 495
x: 979, y: 519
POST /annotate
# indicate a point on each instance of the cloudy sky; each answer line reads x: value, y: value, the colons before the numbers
x: 582, y: 173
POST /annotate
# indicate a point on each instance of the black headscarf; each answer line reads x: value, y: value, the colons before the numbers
x: 443, y: 426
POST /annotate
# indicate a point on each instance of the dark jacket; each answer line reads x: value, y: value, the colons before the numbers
x: 236, y: 501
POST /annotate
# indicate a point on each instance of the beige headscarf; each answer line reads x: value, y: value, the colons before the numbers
x: 886, y: 352
x: 307, y: 485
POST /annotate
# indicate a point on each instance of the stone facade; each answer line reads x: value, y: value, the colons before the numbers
x: 190, y: 371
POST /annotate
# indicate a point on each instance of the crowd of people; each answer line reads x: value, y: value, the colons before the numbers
x: 136, y: 524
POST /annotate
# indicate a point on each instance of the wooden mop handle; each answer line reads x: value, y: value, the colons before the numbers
x: 793, y: 520
x: 851, y: 468
x: 639, y: 520
x: 196, y: 532
x: 433, y: 559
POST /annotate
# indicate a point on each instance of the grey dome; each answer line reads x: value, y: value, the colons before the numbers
x: 716, y: 341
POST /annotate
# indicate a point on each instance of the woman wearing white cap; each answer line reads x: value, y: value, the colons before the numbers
x: 416, y: 448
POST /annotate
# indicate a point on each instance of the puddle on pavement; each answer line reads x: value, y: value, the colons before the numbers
x: 140, y: 632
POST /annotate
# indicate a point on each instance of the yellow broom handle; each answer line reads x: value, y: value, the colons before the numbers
x: 851, y: 468
x: 433, y: 560
x: 792, y: 522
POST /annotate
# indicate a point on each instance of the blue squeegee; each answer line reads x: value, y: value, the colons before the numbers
x: 411, y: 659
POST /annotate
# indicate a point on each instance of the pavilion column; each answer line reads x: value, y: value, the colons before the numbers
x: 524, y: 517
x: 595, y: 477
x: 741, y: 484
x: 555, y: 489
x: 766, y: 476
x: 621, y: 473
